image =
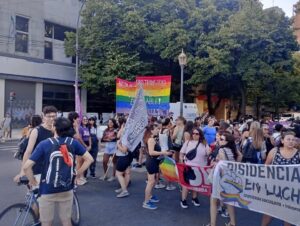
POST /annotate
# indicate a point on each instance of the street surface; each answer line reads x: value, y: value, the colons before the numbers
x: 100, y: 207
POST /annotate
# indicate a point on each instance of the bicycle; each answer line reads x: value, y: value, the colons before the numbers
x: 22, y: 214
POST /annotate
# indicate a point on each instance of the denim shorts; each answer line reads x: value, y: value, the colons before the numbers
x: 110, y: 148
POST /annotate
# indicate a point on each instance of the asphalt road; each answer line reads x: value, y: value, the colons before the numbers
x: 100, y: 207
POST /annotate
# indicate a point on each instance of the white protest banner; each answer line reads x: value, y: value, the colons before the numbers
x: 273, y: 190
x: 136, y: 122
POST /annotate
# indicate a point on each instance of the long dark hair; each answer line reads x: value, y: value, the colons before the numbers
x: 148, y: 133
x: 201, y: 136
x: 189, y: 126
x: 115, y: 126
x: 230, y: 143
x: 35, y: 121
x: 94, y: 125
x: 121, y: 121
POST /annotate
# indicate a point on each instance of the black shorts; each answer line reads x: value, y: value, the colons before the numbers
x: 176, y: 147
x: 124, y: 162
x: 152, y: 165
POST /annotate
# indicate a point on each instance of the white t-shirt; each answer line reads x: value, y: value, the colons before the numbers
x: 201, y: 156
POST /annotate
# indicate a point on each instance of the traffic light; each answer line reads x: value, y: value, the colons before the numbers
x: 12, y: 96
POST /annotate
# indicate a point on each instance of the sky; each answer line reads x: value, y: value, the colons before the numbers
x: 286, y: 5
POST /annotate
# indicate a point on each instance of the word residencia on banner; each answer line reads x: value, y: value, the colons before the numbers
x: 280, y: 173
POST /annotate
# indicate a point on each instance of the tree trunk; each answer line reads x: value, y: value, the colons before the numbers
x: 212, y: 108
x: 258, y: 104
x: 209, y: 101
x: 243, y: 101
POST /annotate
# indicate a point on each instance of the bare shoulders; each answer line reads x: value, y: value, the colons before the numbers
x: 151, y: 140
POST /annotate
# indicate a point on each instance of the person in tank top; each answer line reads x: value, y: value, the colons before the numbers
x: 286, y: 155
x: 152, y: 164
x: 38, y: 134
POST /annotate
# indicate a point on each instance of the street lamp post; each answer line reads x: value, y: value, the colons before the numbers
x: 77, y: 103
x: 182, y: 62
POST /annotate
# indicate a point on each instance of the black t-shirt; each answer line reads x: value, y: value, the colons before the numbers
x: 43, y: 134
x: 269, y: 145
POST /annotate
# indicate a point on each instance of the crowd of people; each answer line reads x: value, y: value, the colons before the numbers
x: 201, y: 142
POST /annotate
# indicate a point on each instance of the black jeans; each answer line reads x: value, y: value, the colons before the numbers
x: 94, y: 154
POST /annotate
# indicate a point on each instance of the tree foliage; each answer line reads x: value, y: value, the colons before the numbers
x: 235, y: 47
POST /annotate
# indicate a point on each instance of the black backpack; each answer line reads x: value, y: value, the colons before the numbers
x: 251, y: 154
x: 59, y: 176
x: 22, y: 145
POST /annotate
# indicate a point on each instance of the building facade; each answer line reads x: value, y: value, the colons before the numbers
x: 33, y: 64
x: 296, y: 18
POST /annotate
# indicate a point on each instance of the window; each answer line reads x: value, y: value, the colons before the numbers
x: 48, y: 30
x: 48, y: 50
x: 21, y: 36
x: 56, y: 31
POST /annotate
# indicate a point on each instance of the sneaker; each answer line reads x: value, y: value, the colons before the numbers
x: 224, y: 213
x: 170, y: 187
x: 154, y: 199
x: 103, y: 178
x: 118, y: 190
x: 136, y: 165
x: 184, y: 204
x: 93, y: 176
x: 81, y: 181
x: 220, y: 210
x: 111, y: 179
x: 195, y: 201
x: 159, y: 186
x: 149, y: 205
x: 123, y: 194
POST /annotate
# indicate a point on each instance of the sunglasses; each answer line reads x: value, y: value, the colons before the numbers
x: 195, y: 133
x: 222, y: 139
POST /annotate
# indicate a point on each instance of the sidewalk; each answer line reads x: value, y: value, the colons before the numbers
x: 16, y: 135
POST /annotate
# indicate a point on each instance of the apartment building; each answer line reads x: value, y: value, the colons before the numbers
x: 33, y: 64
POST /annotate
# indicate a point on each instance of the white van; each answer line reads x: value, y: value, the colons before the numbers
x: 289, y: 116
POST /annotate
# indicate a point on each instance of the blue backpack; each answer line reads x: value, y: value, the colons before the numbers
x: 59, y: 176
x: 251, y: 154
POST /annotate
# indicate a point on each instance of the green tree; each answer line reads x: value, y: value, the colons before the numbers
x: 235, y: 47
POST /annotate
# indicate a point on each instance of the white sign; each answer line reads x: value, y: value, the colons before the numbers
x: 273, y: 190
x: 136, y: 122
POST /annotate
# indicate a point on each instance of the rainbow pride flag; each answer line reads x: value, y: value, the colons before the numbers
x: 125, y: 95
x: 157, y: 91
x: 168, y: 169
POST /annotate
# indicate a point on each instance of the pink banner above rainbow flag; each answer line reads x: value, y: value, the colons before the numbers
x: 157, y: 91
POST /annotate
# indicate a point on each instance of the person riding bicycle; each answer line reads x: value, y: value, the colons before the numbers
x: 58, y: 172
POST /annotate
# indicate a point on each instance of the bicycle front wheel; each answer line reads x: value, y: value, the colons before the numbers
x: 75, y: 211
x: 18, y: 215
